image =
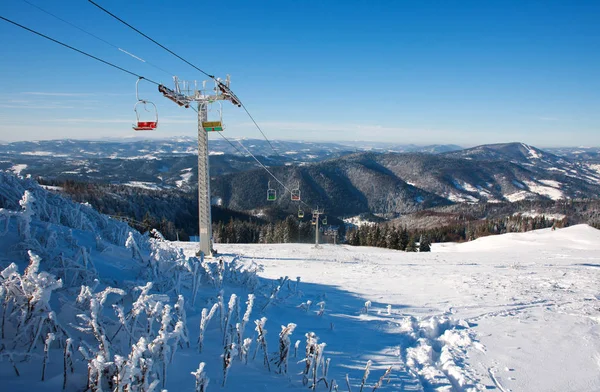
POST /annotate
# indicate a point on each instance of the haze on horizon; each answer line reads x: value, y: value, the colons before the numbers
x: 465, y: 73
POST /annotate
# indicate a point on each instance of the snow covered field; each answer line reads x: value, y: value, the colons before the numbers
x: 516, y: 312
x: 531, y: 301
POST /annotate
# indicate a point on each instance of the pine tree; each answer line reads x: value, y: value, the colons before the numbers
x: 412, y: 244
x: 424, y: 244
x: 404, y: 239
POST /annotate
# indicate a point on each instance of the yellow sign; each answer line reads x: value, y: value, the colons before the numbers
x: 211, y: 124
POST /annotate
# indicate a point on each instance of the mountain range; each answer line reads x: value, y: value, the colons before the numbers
x: 384, y: 179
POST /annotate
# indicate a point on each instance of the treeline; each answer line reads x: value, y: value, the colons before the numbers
x: 289, y: 230
x: 392, y: 237
x: 387, y: 236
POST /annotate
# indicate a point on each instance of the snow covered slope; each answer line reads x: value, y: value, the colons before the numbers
x: 517, y: 312
x: 528, y: 304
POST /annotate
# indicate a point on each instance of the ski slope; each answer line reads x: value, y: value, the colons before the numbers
x: 530, y: 300
x: 516, y: 312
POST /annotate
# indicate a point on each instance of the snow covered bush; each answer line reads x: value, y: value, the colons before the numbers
x: 314, y: 359
x: 26, y: 304
x: 205, y: 317
x: 201, y: 379
x: 284, y: 347
x: 261, y: 341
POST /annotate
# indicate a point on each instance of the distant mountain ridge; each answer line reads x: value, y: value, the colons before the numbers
x: 335, y: 177
x: 390, y: 184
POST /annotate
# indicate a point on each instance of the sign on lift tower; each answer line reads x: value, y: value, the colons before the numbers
x: 184, y: 94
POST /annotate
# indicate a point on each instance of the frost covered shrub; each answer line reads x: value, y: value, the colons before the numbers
x: 261, y: 341
x: 205, y: 317
x: 284, y: 347
x: 314, y: 359
x: 230, y: 351
x: 152, y: 328
x: 27, y: 318
x: 201, y: 379
x: 55, y: 209
x: 26, y: 304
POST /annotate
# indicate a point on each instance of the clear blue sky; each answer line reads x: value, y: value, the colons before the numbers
x: 463, y: 72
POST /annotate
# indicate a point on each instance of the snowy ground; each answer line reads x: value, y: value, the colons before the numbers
x: 516, y: 312
x: 529, y: 305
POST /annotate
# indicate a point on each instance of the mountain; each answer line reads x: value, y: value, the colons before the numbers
x: 391, y: 183
x: 329, y: 175
x: 283, y: 150
x: 578, y: 153
x: 511, y: 152
x: 160, y: 164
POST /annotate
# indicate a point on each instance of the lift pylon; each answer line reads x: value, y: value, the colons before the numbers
x: 184, y: 94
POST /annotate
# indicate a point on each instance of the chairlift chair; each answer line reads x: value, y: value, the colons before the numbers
x: 315, y: 218
x: 271, y: 193
x: 144, y: 125
x: 324, y: 220
x: 217, y: 124
x: 295, y: 193
x: 300, y: 213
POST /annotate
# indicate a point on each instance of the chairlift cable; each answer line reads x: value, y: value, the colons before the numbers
x: 271, y: 174
x: 190, y: 64
x: 259, y: 128
x: 98, y: 38
x: 157, y: 43
x: 77, y: 50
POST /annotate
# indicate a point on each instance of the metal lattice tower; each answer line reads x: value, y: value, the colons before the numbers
x: 184, y: 95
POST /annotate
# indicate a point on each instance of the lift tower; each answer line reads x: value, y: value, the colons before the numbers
x: 184, y: 94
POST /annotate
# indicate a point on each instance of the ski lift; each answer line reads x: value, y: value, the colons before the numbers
x: 324, y: 220
x: 296, y: 193
x: 300, y: 213
x: 215, y: 125
x: 144, y: 125
x: 315, y: 218
x: 271, y: 193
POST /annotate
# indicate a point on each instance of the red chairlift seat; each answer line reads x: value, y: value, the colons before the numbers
x: 145, y: 126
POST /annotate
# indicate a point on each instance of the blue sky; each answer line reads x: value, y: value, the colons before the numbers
x: 463, y: 72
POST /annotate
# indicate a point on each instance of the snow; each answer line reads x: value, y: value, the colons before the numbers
x: 185, y: 177
x: 142, y: 184
x: 532, y: 152
x: 464, y: 186
x: 357, y: 221
x: 528, y: 304
x: 52, y: 187
x: 458, y: 198
x: 516, y: 312
x: 534, y: 214
x: 18, y: 168
x: 43, y: 154
x: 552, y: 183
x: 549, y: 191
x: 595, y: 167
x: 517, y: 196
x: 216, y: 153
